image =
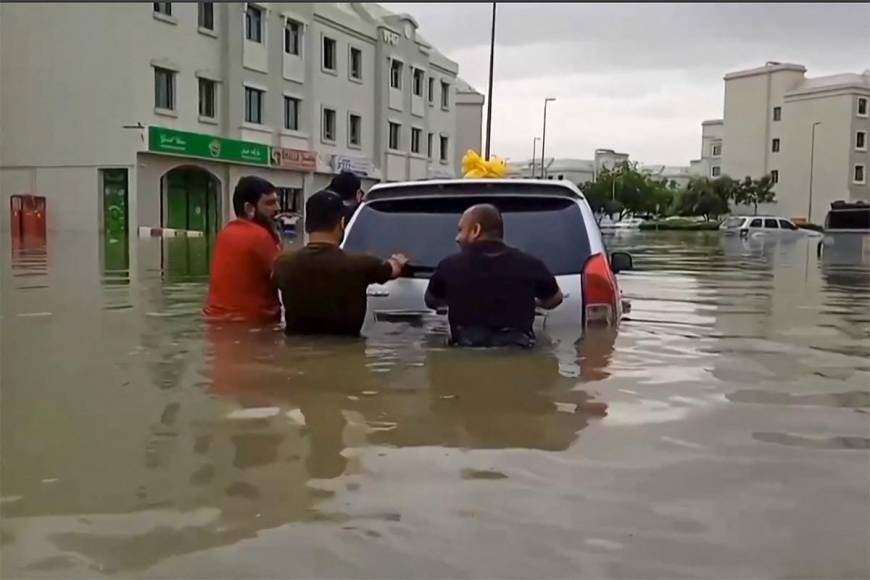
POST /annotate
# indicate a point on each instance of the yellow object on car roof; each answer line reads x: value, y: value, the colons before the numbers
x: 475, y: 166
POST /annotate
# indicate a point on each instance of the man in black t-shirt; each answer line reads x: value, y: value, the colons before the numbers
x: 490, y: 288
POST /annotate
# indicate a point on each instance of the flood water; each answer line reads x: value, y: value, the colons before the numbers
x: 723, y: 431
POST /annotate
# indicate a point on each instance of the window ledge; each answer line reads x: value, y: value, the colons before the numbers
x: 329, y: 71
x: 207, y: 31
x: 861, y: 149
x: 208, y: 120
x: 419, y: 156
x: 257, y: 127
x: 356, y: 80
x: 395, y: 151
x: 326, y: 141
x: 444, y: 162
x: 166, y: 112
x: 357, y: 146
x: 165, y: 18
x: 864, y: 116
x: 446, y: 109
x: 292, y: 133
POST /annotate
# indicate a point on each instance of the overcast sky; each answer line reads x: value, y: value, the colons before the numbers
x: 638, y: 78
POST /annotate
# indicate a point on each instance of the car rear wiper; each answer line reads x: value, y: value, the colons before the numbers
x: 413, y: 270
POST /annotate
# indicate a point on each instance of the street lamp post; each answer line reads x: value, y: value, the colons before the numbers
x: 544, y: 137
x: 534, y: 156
x: 812, y: 156
x: 489, y: 96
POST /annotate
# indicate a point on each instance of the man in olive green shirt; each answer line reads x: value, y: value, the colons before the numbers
x: 323, y: 288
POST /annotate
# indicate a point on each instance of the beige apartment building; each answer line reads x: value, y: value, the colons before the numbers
x: 146, y: 114
x: 809, y: 134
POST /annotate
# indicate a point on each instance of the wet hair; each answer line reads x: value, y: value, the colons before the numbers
x: 345, y: 184
x: 323, y: 211
x: 250, y: 189
x: 489, y: 218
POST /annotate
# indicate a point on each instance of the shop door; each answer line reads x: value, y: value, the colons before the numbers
x: 115, y: 200
x: 192, y: 200
x: 176, y: 198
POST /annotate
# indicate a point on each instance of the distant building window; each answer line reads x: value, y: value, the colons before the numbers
x: 774, y: 176
x: 431, y: 90
x: 716, y: 150
x: 205, y: 16
x: 862, y: 106
x: 445, y: 147
x: 254, y: 23
x: 774, y: 145
x: 253, y: 106
x: 416, y: 137
x: 445, y: 95
x: 291, y: 113
x: 396, y: 67
x: 328, y: 53
x: 777, y: 113
x: 429, y: 138
x: 861, y: 140
x: 354, y: 133
x: 715, y: 171
x: 356, y: 64
x: 292, y: 37
x: 163, y: 8
x: 395, y: 130
x: 859, y: 176
x: 328, y: 132
x: 207, y: 96
x: 164, y: 89
x: 419, y: 75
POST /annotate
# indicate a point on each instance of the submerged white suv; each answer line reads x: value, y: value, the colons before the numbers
x: 548, y: 219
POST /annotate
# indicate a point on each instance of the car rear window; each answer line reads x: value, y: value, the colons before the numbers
x: 425, y: 229
x: 849, y: 219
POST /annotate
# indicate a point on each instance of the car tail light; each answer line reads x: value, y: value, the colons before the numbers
x: 600, y: 293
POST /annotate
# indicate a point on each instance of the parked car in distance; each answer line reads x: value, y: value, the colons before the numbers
x: 548, y: 219
x: 847, y: 234
x: 759, y: 225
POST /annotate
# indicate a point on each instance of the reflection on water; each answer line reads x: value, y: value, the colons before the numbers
x: 722, y: 431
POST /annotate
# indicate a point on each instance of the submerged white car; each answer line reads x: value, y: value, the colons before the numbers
x: 762, y: 225
x: 548, y: 219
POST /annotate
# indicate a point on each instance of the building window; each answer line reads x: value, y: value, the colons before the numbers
x: 715, y: 171
x: 395, y: 130
x: 254, y: 23
x: 205, y: 16
x: 328, y: 53
x: 445, y: 146
x: 861, y: 140
x: 777, y: 113
x: 774, y: 176
x: 164, y: 89
x: 445, y: 95
x: 429, y: 139
x: 716, y: 150
x: 862, y: 107
x: 292, y: 37
x: 253, y: 106
x: 431, y: 90
x: 291, y: 113
x: 416, y: 137
x: 418, y: 82
x: 774, y: 145
x: 356, y: 64
x: 354, y: 132
x: 396, y: 74
x: 164, y: 8
x: 859, y: 176
x: 328, y: 127
x: 207, y: 96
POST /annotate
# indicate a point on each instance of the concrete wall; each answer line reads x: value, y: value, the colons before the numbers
x: 469, y: 126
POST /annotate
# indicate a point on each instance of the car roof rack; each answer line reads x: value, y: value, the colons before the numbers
x: 858, y: 204
x: 437, y: 188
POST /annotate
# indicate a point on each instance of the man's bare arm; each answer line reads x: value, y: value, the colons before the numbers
x: 552, y: 302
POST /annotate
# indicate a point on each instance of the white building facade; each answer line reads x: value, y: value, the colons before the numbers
x: 809, y: 134
x: 146, y: 114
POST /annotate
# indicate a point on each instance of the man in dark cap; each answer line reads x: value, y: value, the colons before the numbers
x: 241, y: 286
x: 322, y: 287
x: 490, y: 288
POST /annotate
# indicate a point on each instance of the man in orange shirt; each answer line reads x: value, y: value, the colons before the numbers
x: 241, y: 286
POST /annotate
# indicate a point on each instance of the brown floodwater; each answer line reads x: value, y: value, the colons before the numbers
x: 722, y: 431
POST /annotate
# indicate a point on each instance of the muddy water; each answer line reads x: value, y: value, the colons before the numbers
x: 722, y: 432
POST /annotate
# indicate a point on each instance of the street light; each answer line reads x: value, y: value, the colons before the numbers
x: 489, y: 96
x: 812, y: 156
x: 534, y: 156
x: 544, y: 138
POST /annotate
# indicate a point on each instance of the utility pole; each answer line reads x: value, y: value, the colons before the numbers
x: 812, y: 156
x: 534, y: 156
x: 489, y: 91
x: 544, y: 137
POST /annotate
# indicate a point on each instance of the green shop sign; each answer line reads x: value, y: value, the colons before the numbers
x: 162, y: 140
